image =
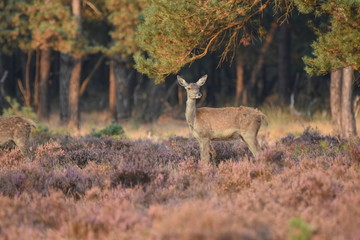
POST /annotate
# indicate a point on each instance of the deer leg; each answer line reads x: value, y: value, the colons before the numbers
x: 204, y: 149
x: 251, y: 140
x: 23, y: 146
x: 21, y: 140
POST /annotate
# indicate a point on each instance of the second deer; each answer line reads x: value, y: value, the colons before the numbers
x: 228, y: 123
x: 17, y: 129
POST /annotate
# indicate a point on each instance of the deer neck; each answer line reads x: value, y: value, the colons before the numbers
x: 190, y: 113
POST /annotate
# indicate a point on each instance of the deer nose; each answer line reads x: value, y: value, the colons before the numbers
x: 198, y: 95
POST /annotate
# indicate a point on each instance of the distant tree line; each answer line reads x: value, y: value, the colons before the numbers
x: 73, y: 52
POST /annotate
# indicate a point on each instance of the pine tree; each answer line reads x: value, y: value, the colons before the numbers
x: 337, y: 49
x: 175, y: 33
x: 37, y: 26
x: 124, y: 17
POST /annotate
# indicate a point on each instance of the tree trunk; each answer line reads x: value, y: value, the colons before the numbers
x: 155, y: 102
x: 122, y: 84
x: 149, y: 100
x: 335, y: 97
x: 74, y: 95
x: 240, y: 96
x: 284, y: 63
x: 64, y: 79
x: 112, y: 90
x: 45, y: 64
x: 347, y: 116
x: 261, y: 59
x: 74, y: 87
x: 2, y: 69
x: 140, y: 98
x: 26, y: 91
x: 3, y: 101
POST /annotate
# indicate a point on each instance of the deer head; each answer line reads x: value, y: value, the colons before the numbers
x: 192, y: 89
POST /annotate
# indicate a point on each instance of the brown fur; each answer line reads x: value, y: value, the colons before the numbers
x: 17, y: 129
x: 229, y: 123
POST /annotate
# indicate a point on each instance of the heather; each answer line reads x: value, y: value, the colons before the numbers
x: 304, y: 186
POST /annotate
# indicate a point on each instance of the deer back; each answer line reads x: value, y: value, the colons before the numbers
x: 220, y: 122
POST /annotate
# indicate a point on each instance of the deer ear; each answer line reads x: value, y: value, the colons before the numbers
x: 201, y: 81
x: 181, y: 81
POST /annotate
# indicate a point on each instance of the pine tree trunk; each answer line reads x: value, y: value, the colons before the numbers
x: 155, y: 102
x: 140, y: 98
x: 74, y: 95
x: 2, y: 69
x: 112, y: 90
x: 64, y: 79
x: 284, y: 63
x: 347, y: 116
x: 122, y: 84
x: 149, y: 100
x: 335, y: 97
x: 27, y: 90
x: 74, y: 87
x: 261, y: 60
x: 37, y: 80
x: 240, y: 81
x: 45, y: 64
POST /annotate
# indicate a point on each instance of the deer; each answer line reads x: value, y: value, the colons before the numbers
x: 228, y: 123
x: 17, y: 129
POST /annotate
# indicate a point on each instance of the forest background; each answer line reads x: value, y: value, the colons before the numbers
x: 67, y: 57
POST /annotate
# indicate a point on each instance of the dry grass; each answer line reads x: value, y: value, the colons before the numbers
x: 281, y: 123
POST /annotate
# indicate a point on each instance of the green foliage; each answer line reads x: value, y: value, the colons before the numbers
x: 39, y: 24
x: 113, y: 130
x: 338, y: 44
x: 17, y: 109
x: 124, y: 16
x: 300, y: 229
x: 175, y: 33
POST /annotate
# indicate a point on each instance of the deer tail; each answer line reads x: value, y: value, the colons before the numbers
x: 264, y: 119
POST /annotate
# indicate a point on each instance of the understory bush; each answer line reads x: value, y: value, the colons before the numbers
x: 113, y: 130
x: 117, y: 188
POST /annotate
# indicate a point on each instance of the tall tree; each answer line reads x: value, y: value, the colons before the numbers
x: 348, y: 124
x: 337, y: 47
x: 37, y: 25
x: 125, y: 16
x: 74, y: 87
x: 45, y: 63
x: 64, y: 84
x: 335, y: 96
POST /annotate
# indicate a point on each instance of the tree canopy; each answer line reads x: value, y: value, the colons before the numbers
x: 123, y: 16
x: 176, y: 33
x: 338, y: 42
x: 37, y: 25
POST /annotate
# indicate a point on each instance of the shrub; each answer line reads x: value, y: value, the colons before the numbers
x: 354, y: 148
x: 300, y: 229
x: 117, y: 188
x: 113, y: 130
x: 17, y: 109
